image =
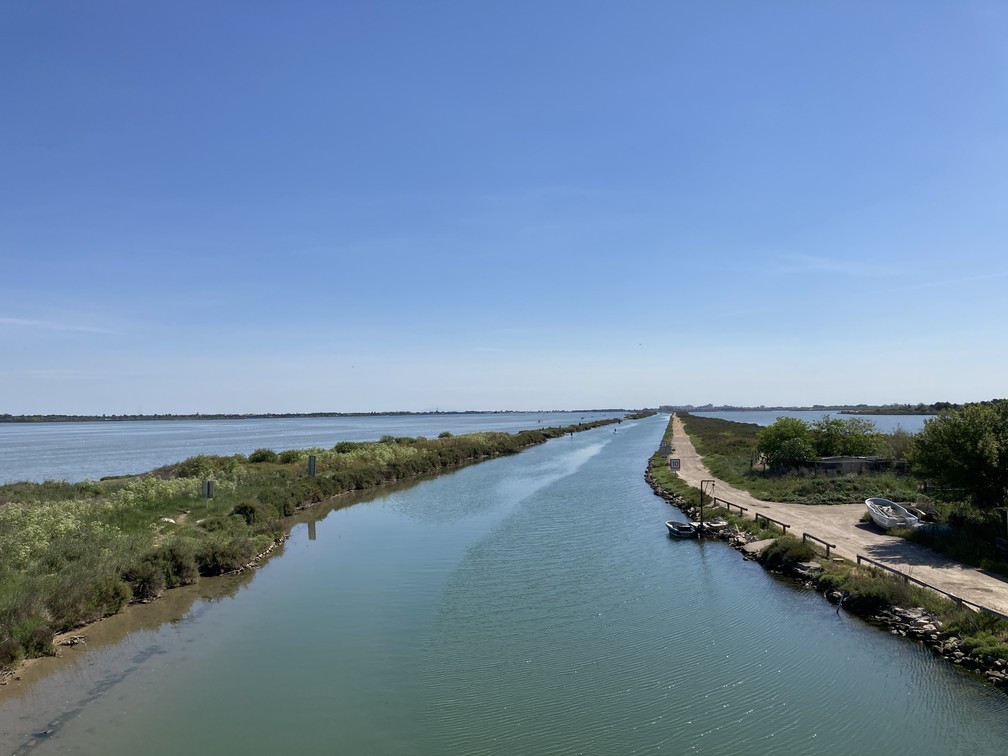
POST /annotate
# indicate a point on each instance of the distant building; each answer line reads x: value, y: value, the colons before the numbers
x: 855, y: 465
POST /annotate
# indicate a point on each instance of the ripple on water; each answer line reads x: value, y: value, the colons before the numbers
x: 575, y: 615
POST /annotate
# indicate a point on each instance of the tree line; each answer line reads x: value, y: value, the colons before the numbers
x: 963, y: 447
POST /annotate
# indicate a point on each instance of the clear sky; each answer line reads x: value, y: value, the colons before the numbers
x: 332, y: 206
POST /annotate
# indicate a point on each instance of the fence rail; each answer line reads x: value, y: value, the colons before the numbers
x: 960, y: 601
x: 729, y: 505
x: 806, y: 536
x: 760, y: 516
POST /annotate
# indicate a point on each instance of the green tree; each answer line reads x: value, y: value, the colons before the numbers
x: 786, y: 444
x: 895, y: 445
x: 835, y: 436
x: 967, y: 448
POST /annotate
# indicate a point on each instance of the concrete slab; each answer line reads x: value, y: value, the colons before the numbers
x: 757, y: 547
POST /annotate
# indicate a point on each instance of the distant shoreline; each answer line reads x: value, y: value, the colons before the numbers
x: 843, y: 409
x: 6, y: 418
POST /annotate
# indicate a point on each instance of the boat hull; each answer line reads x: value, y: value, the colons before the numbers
x: 888, y: 514
x: 680, y: 529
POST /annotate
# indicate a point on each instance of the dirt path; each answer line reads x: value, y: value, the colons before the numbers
x: 840, y: 525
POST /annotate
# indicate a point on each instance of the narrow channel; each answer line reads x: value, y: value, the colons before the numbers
x: 531, y: 604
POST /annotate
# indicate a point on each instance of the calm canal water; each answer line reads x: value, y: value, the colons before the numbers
x: 526, y: 605
x: 79, y: 451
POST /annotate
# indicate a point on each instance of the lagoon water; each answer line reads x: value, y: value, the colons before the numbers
x: 80, y: 451
x: 883, y: 423
x: 527, y: 605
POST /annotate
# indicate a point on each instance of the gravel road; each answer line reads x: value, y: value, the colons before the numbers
x: 840, y: 524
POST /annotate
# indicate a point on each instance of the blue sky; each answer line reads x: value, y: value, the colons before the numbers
x: 330, y: 206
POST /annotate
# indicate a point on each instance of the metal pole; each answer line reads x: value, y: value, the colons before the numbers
x: 702, y: 484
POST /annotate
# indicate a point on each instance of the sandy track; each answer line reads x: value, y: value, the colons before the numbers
x: 840, y: 525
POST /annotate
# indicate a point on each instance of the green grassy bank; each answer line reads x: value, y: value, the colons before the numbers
x: 72, y: 553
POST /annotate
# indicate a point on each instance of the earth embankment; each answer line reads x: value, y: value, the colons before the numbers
x: 840, y: 524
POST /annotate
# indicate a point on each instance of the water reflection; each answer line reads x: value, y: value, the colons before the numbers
x: 49, y: 692
x: 556, y: 618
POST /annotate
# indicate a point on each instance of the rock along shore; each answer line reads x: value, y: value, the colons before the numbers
x: 913, y: 623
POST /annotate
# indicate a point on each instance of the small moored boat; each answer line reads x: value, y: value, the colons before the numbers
x: 715, y: 526
x: 888, y: 514
x: 680, y: 529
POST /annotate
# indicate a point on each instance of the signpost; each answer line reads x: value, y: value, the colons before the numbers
x: 207, y: 492
x: 673, y: 464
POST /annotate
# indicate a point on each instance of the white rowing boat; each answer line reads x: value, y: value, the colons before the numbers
x: 888, y: 514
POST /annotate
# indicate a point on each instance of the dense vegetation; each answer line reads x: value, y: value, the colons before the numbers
x: 962, y: 455
x: 732, y: 453
x: 71, y: 553
x: 966, y: 449
x: 791, y: 443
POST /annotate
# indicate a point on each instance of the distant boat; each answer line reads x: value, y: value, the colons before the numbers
x: 888, y: 514
x: 680, y: 529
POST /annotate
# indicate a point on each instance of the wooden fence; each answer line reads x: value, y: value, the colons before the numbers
x: 960, y: 601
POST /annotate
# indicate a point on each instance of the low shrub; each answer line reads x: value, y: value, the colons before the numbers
x: 786, y: 552
x: 206, y: 466
x: 85, y: 595
x: 39, y: 641
x: 289, y: 456
x: 11, y: 652
x: 180, y: 558
x: 253, y: 512
x: 262, y: 455
x: 146, y: 579
x: 223, y: 555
